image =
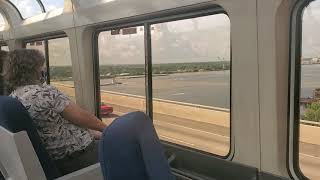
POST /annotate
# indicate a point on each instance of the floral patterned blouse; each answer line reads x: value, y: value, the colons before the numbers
x: 45, y: 104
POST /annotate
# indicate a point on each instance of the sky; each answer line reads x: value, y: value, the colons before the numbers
x: 310, y: 30
x: 202, y: 39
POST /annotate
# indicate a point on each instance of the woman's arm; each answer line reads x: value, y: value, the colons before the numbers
x: 82, y: 118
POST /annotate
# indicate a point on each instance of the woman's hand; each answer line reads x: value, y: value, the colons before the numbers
x: 97, y: 135
x: 82, y: 118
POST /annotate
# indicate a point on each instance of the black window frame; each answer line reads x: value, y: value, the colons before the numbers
x: 45, y: 38
x: 294, y: 80
x: 15, y: 7
x: 188, y: 12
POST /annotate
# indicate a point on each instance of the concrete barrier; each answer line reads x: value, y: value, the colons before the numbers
x: 206, y: 114
x: 310, y: 134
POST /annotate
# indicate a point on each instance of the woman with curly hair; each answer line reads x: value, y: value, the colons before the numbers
x: 62, y: 125
x: 130, y: 148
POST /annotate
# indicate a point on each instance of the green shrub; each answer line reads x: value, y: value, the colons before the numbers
x: 313, y: 112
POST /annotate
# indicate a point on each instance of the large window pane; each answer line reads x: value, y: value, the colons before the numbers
x: 310, y: 92
x: 191, y: 82
x: 27, y: 8
x: 52, y: 4
x: 122, y: 74
x: 60, y: 66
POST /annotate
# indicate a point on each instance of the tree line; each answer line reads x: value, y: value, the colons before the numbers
x: 64, y: 73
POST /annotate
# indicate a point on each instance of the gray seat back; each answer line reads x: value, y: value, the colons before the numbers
x: 18, y: 160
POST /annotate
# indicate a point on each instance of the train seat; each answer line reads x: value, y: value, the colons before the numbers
x: 130, y: 149
x: 22, y: 156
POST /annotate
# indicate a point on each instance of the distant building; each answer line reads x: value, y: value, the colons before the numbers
x: 305, y: 61
x: 314, y: 60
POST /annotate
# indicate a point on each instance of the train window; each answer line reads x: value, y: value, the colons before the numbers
x: 2, y: 23
x: 60, y: 66
x: 191, y: 82
x: 27, y: 8
x: 309, y: 100
x: 122, y: 71
x: 51, y: 5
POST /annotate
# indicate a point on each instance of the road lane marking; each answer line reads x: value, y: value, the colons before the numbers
x: 309, y: 156
x: 188, y: 128
x: 176, y: 140
x: 177, y: 94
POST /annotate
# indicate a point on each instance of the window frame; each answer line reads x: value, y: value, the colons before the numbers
x: 188, y: 12
x: 45, y: 38
x: 15, y: 7
x: 295, y: 54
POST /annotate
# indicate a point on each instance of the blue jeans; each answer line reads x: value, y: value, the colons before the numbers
x: 130, y: 149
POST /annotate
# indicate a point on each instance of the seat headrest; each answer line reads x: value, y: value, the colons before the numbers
x: 15, y: 118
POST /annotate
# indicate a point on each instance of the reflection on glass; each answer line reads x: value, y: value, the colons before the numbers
x: 4, y: 48
x: 191, y: 82
x: 60, y: 66
x: 310, y: 92
x: 85, y: 3
x: 39, y: 45
x: 27, y: 8
x: 122, y: 74
x: 2, y: 23
x: 52, y: 4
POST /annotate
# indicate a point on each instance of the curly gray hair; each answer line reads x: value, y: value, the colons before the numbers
x: 23, y: 67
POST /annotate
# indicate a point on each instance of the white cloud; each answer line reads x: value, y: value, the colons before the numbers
x: 310, y: 30
x: 53, y: 4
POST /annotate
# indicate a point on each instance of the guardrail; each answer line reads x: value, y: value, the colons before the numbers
x: 311, y: 123
x: 170, y: 101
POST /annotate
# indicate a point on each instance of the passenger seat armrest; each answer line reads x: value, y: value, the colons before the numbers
x: 92, y: 172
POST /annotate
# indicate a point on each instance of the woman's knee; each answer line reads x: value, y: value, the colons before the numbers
x: 131, y: 123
